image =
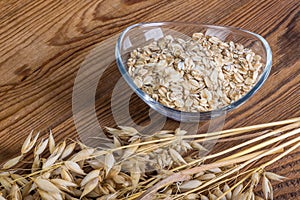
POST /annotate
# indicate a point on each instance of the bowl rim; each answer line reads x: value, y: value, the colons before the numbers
x: 144, y: 96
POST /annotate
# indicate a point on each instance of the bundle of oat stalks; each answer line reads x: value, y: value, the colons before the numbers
x: 164, y: 165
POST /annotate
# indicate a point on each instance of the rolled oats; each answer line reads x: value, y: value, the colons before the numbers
x: 200, y: 74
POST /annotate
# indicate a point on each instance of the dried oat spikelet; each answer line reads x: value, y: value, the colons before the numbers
x: 130, y: 151
x: 51, y: 142
x: 74, y: 167
x: 189, y: 185
x: 82, y: 155
x: 227, y: 188
x: 135, y: 174
x: 273, y: 176
x: 15, y: 192
x: 41, y: 147
x: 176, y: 157
x: 90, y: 176
x: 90, y: 186
x: 267, y: 188
x: 12, y: 162
x: 36, y: 164
x: 109, y: 162
x: 237, y: 191
x: 28, y: 143
x: 55, y: 155
x: 68, y: 150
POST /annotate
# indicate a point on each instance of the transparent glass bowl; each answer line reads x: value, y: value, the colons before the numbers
x: 142, y: 34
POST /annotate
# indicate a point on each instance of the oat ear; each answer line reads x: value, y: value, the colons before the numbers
x: 54, y: 178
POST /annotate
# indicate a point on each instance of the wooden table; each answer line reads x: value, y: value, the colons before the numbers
x: 45, y: 43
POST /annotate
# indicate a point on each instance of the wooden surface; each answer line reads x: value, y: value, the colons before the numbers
x: 44, y: 43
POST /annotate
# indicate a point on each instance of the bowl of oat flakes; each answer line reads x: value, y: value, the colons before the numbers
x: 192, y: 72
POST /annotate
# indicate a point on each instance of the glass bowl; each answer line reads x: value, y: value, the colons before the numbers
x: 139, y: 35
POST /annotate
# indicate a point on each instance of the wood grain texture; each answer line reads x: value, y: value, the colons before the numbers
x: 44, y: 43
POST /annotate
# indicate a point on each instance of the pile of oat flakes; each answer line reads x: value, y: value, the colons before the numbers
x: 196, y: 75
